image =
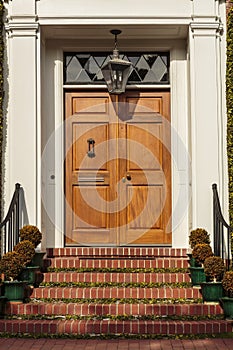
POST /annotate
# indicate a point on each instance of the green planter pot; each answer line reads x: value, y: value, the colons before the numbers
x: 28, y: 274
x: 192, y: 261
x: 37, y: 260
x: 227, y: 305
x: 212, y: 291
x: 14, y: 290
x: 197, y: 275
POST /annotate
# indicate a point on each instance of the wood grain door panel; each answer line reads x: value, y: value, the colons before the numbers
x: 132, y: 139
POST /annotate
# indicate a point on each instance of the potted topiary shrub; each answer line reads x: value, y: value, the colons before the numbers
x: 32, y: 233
x: 11, y: 265
x: 197, y: 236
x: 26, y: 249
x: 214, y: 269
x: 227, y: 300
x: 200, y: 253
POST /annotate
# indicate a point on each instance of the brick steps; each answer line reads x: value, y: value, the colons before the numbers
x: 93, y: 277
x: 77, y: 262
x: 114, y: 292
x: 93, y: 327
x: 113, y: 309
x: 99, y: 302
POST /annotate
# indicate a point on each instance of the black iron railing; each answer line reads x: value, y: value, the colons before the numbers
x: 222, y: 231
x: 10, y: 225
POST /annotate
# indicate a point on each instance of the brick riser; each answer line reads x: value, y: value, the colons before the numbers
x: 119, y: 252
x: 114, y: 327
x: 92, y: 277
x: 113, y: 309
x: 113, y: 292
x: 77, y: 262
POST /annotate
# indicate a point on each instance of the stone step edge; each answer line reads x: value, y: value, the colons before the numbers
x: 112, y: 309
x: 117, y: 252
x: 114, y: 327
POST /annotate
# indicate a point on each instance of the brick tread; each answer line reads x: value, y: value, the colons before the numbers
x: 113, y: 292
x: 93, y: 277
x: 113, y: 309
x: 76, y: 262
x: 114, y: 327
x: 117, y: 252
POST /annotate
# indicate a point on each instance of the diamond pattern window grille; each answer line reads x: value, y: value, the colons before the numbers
x: 85, y: 68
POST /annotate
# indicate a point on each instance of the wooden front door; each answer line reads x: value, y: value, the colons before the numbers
x: 118, y: 169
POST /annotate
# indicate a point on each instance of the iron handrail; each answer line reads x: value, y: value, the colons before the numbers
x: 221, y: 240
x: 10, y: 225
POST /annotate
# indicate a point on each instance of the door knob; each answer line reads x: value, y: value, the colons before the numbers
x: 128, y: 177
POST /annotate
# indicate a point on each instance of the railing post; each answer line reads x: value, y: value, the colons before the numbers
x: 17, y: 188
x: 215, y: 228
x: 221, y: 243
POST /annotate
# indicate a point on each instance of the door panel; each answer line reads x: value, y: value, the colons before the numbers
x: 146, y: 128
x: 89, y: 219
x: 121, y: 195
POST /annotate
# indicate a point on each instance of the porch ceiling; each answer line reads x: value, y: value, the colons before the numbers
x: 103, y: 31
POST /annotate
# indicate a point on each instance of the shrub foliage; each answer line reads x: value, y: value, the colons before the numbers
x: 198, y: 236
x: 214, y: 268
x: 201, y: 252
x: 227, y: 283
x: 30, y: 233
x: 11, y: 265
x: 26, y: 250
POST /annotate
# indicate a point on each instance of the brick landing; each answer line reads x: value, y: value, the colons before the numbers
x: 119, y: 344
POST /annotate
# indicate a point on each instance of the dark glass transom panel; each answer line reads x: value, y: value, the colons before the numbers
x: 147, y: 68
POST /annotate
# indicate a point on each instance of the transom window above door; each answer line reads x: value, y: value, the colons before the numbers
x: 147, y: 68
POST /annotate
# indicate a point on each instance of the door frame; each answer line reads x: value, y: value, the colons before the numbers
x: 52, y: 96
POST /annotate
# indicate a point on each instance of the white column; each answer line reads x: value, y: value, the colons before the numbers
x: 206, y: 116
x: 21, y: 151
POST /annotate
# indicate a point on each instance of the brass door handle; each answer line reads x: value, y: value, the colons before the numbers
x: 91, y: 151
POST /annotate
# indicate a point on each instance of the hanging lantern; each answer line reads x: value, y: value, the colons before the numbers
x: 116, y: 72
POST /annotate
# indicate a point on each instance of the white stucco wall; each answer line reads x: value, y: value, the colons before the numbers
x: 190, y: 29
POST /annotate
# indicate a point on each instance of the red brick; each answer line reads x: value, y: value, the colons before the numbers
x: 112, y: 327
x: 82, y: 327
x: 179, y: 328
x: 194, y: 327
x: 164, y: 327
x: 105, y: 327
x: 23, y: 327
x: 30, y: 327
x: 187, y: 328
x: 216, y: 327
x: 120, y: 327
